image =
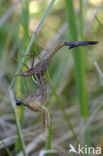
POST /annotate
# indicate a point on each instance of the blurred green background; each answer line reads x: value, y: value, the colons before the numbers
x: 75, y: 99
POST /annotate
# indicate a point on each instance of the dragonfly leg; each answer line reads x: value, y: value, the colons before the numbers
x: 45, y: 117
x: 26, y: 66
x: 32, y: 61
x: 34, y: 80
x: 39, y: 81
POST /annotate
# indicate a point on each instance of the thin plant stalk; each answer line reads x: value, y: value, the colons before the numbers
x: 17, y: 123
x: 82, y: 38
x: 6, y: 148
x: 19, y: 85
x: 78, y: 59
x: 49, y: 139
x: 63, y: 111
x: 100, y: 24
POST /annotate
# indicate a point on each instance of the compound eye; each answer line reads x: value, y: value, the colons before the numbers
x: 18, y: 101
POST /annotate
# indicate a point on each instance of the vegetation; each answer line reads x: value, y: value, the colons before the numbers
x: 73, y: 81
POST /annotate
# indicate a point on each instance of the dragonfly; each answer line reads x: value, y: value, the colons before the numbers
x: 36, y: 100
x: 41, y: 67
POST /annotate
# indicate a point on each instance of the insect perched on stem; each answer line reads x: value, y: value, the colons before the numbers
x: 38, y: 98
x: 35, y: 103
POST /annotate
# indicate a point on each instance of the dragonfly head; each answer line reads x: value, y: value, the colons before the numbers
x: 18, y: 101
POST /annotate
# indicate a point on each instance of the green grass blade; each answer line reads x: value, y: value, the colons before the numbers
x: 49, y: 139
x: 87, y: 140
x: 81, y: 18
x: 78, y: 60
x: 19, y: 132
x: 6, y: 148
x: 28, y: 36
x: 65, y: 115
x: 63, y: 111
x: 19, y: 86
x: 100, y: 24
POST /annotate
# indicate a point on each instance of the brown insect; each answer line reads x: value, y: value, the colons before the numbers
x: 35, y: 103
x: 38, y: 98
x: 41, y: 67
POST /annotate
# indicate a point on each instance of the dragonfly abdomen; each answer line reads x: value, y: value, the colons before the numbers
x: 79, y: 43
